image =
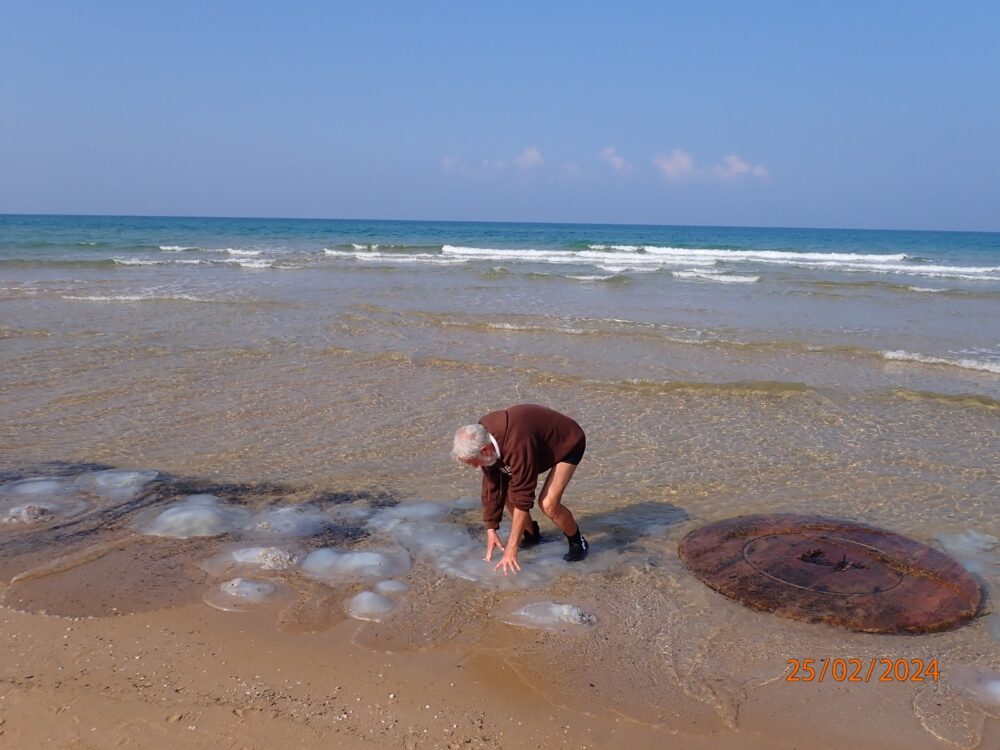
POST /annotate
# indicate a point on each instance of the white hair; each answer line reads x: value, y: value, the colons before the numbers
x: 469, y: 441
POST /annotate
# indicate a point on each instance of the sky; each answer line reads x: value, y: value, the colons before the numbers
x: 821, y: 114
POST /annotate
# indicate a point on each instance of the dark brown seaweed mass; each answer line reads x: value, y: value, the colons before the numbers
x: 832, y: 571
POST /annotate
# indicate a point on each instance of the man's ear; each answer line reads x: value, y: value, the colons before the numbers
x: 486, y: 450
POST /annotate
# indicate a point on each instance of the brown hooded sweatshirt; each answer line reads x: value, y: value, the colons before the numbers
x: 532, y: 439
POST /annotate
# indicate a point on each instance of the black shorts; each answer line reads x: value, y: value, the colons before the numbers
x: 576, y: 455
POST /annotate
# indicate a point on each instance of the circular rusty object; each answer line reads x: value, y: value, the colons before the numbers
x: 832, y: 571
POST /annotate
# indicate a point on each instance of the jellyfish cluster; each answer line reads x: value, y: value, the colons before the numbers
x: 39, y: 501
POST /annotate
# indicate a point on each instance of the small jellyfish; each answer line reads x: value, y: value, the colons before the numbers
x: 235, y: 560
x: 29, y: 513
x: 550, y: 616
x: 197, y: 515
x: 391, y: 588
x: 370, y: 606
x: 242, y: 594
x: 117, y: 485
x: 390, y: 518
x: 35, y: 488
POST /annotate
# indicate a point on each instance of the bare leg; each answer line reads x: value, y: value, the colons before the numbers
x: 550, y: 498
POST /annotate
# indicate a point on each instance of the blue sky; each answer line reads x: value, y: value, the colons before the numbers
x: 872, y: 114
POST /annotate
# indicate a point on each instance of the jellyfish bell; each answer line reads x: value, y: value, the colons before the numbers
x: 244, y: 594
x: 287, y: 521
x: 550, y: 616
x: 36, y: 488
x: 332, y: 566
x: 368, y: 605
x: 117, y: 485
x: 391, y: 588
x: 195, y: 516
x: 237, y: 559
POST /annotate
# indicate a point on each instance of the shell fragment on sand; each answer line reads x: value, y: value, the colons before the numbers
x: 832, y: 571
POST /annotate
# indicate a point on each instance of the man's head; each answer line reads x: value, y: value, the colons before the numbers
x: 473, y: 446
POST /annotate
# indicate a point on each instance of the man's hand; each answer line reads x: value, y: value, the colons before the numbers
x: 492, y: 542
x: 509, y: 561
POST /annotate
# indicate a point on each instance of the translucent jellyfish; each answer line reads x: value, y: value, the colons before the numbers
x: 237, y: 559
x: 242, y: 594
x: 974, y: 549
x: 333, y: 566
x: 468, y: 564
x: 197, y: 515
x: 993, y: 626
x: 38, y: 488
x: 391, y: 588
x: 551, y: 616
x: 431, y: 538
x: 979, y: 683
x: 390, y: 518
x: 116, y: 485
x: 40, y: 510
x: 291, y: 520
x: 370, y: 606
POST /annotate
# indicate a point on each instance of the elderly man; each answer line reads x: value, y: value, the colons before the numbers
x: 513, y: 447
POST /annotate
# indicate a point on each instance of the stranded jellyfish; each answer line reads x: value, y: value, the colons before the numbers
x: 237, y: 559
x: 242, y: 594
x: 39, y: 500
x: 196, y: 515
x: 833, y: 571
x: 370, y: 606
x: 117, y: 485
x: 334, y: 566
x: 551, y: 616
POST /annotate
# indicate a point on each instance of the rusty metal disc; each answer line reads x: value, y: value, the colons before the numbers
x: 837, y: 572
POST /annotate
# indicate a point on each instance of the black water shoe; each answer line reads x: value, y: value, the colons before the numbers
x: 578, y: 548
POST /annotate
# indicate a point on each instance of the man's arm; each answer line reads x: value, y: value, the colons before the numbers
x: 508, y: 563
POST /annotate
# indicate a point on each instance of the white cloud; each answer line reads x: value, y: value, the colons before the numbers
x: 529, y: 158
x: 733, y: 167
x: 494, y: 164
x: 678, y: 166
x: 450, y: 163
x: 573, y: 169
x: 616, y: 160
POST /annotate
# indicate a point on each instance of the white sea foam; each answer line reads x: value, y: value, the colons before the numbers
x: 368, y: 605
x: 135, y: 297
x: 963, y: 362
x: 924, y: 289
x: 591, y: 278
x: 716, y: 276
x: 177, y: 248
x: 197, y: 515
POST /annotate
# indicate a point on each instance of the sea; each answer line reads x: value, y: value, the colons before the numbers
x: 717, y: 371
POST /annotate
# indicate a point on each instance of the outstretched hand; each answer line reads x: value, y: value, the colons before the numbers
x: 492, y: 542
x: 508, y: 562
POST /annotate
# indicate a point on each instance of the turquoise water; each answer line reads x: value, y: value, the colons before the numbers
x: 878, y: 308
